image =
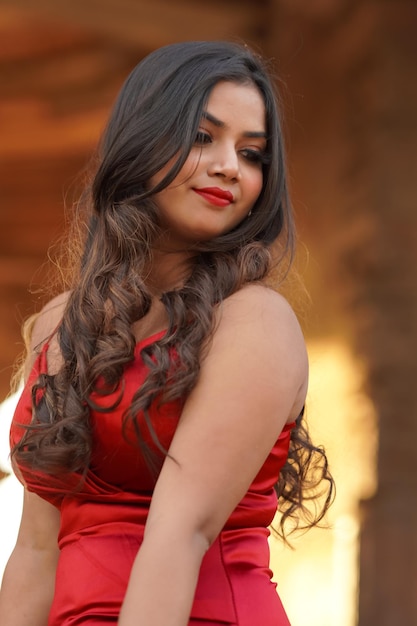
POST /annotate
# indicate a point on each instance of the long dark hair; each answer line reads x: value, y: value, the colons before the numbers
x: 155, y: 120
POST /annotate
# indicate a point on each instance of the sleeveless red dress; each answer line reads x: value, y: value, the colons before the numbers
x: 102, y: 525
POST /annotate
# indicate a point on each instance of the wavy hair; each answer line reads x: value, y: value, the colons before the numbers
x: 155, y: 121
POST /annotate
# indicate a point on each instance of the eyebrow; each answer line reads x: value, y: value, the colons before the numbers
x: 250, y: 133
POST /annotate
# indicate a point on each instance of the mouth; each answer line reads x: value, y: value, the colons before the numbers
x: 215, y: 195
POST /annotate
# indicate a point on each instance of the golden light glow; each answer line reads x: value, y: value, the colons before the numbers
x: 318, y: 580
x: 11, y: 491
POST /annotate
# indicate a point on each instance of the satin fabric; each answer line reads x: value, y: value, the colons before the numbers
x: 102, y: 523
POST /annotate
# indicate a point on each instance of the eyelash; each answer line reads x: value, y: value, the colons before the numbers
x: 202, y: 138
x: 256, y: 156
x: 253, y: 156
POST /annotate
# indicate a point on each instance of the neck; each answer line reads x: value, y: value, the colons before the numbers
x: 168, y: 270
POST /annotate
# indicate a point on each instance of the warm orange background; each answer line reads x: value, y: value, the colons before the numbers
x: 349, y: 85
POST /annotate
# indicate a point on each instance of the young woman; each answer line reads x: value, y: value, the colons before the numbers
x: 162, y: 414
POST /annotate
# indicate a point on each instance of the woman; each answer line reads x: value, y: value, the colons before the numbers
x: 166, y: 388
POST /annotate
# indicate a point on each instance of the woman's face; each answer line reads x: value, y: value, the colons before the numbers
x: 222, y: 176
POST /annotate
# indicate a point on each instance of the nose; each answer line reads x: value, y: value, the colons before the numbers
x: 225, y: 163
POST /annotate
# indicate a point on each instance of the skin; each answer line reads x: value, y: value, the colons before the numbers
x: 258, y: 339
x: 30, y: 571
x: 225, y: 417
x: 226, y: 155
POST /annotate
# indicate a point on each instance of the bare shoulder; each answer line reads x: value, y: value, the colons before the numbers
x: 258, y: 323
x: 42, y: 328
x: 257, y: 298
x: 47, y: 320
x: 259, y: 311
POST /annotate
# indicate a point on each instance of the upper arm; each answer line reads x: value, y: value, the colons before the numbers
x: 39, y: 525
x: 253, y: 380
x: 28, y: 582
x: 40, y: 519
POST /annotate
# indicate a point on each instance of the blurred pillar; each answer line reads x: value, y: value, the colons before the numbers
x: 351, y: 69
x: 388, y: 332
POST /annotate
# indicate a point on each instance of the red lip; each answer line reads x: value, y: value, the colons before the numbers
x: 215, y: 195
x: 219, y: 193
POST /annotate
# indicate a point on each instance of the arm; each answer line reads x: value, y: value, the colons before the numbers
x: 253, y: 380
x: 29, y: 578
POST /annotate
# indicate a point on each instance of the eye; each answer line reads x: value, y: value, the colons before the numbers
x: 202, y: 138
x: 256, y: 156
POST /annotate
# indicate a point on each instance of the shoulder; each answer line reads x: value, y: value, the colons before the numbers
x: 48, y: 319
x: 261, y: 313
x: 259, y: 326
x: 42, y: 327
x: 257, y: 299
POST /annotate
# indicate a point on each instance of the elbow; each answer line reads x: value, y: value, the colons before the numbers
x: 207, y: 532
x: 203, y: 540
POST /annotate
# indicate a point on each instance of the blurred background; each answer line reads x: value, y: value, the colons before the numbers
x: 347, y: 71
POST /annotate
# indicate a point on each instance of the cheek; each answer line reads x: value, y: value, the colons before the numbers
x: 254, y: 185
x: 185, y: 172
x: 191, y: 165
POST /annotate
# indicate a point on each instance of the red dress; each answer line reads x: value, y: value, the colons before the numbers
x: 102, y: 525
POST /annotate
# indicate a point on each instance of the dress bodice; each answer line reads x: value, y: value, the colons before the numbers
x: 115, y: 496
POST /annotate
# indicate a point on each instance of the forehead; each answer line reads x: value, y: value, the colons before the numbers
x: 240, y: 103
